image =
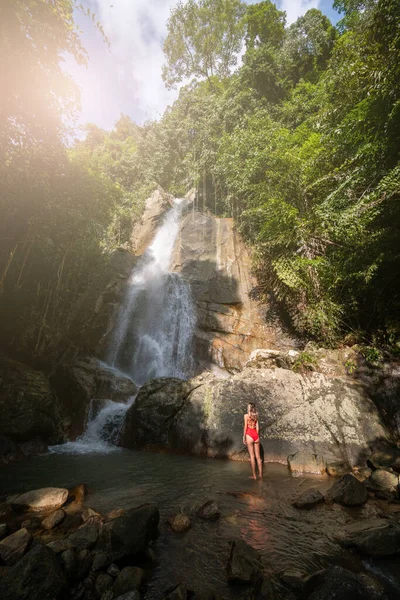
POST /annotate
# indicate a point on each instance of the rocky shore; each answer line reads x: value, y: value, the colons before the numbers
x: 53, y: 545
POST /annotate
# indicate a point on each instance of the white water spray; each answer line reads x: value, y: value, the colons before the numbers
x: 102, y: 431
x: 154, y: 331
x: 153, y: 336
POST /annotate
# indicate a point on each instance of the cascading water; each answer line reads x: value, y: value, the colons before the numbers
x: 154, y: 332
x: 102, y: 431
x: 153, y: 336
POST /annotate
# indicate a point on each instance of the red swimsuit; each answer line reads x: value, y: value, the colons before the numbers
x: 252, y: 431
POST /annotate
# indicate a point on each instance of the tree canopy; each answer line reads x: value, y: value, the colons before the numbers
x: 300, y: 145
x: 204, y: 38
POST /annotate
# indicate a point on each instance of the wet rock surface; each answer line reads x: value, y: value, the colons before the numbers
x: 342, y: 584
x: 376, y: 543
x: 78, y: 383
x: 143, y: 232
x: 209, y: 511
x: 348, y: 491
x: 244, y: 564
x: 85, y: 537
x: 309, y: 499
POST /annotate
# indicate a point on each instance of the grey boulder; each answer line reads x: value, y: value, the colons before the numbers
x: 13, y: 547
x: 376, y: 543
x: 348, y: 491
x: 340, y: 584
x: 37, y: 576
x: 129, y: 579
x: 244, y: 565
x: 317, y: 415
x: 128, y: 536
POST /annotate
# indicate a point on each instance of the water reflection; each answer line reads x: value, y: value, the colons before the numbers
x: 258, y: 512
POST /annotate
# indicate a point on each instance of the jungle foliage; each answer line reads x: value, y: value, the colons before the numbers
x: 300, y: 145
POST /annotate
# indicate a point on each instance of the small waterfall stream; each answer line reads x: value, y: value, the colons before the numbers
x: 102, y: 431
x: 152, y: 338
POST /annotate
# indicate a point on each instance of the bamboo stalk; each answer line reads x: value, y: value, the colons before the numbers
x: 17, y: 285
x: 43, y: 317
x: 3, y: 277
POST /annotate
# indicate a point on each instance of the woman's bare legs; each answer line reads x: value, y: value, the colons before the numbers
x: 250, y: 448
x: 258, y: 457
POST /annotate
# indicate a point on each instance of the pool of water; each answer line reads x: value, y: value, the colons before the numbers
x: 260, y: 512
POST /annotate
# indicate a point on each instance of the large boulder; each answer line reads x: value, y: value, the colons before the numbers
x: 244, y: 564
x: 376, y: 543
x: 212, y: 257
x: 340, y: 584
x: 147, y: 424
x: 41, y: 500
x: 348, y: 491
x: 37, y: 576
x: 127, y: 537
x: 13, y: 547
x: 384, y: 480
x: 329, y: 417
x: 77, y: 384
x: 85, y: 537
x: 28, y: 405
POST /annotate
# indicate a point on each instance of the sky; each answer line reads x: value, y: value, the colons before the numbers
x: 126, y: 78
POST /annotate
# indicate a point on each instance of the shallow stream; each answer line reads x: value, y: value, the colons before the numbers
x: 260, y: 512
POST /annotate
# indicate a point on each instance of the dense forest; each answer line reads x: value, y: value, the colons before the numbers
x: 298, y: 140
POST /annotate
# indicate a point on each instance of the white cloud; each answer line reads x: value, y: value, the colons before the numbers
x: 127, y: 78
x: 295, y: 8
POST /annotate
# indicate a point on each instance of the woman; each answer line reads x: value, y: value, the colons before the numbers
x: 252, y: 439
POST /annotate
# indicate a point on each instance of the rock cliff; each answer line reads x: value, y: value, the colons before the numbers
x: 155, y: 207
x: 212, y: 257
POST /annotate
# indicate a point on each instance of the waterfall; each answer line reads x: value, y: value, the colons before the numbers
x: 153, y: 336
x: 154, y: 330
x: 102, y: 430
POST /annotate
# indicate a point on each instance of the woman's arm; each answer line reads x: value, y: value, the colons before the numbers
x: 244, y: 429
x: 257, y: 428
